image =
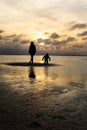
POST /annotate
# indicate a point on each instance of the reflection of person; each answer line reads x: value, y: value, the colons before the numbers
x: 32, y: 51
x: 46, y: 58
x: 46, y: 71
x: 31, y: 73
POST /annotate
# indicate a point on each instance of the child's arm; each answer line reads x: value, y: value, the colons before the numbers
x: 43, y: 58
x: 49, y: 58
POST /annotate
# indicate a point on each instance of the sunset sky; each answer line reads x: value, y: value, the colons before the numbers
x: 56, y: 26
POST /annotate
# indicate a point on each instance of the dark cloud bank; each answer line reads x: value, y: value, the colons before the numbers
x: 13, y: 44
x: 18, y: 44
x: 78, y: 26
x: 82, y: 34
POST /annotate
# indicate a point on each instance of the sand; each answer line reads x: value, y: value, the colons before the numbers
x: 29, y: 64
x: 46, y: 101
x: 47, y: 110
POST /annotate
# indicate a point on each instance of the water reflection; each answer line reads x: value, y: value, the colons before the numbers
x: 46, y: 71
x: 31, y: 74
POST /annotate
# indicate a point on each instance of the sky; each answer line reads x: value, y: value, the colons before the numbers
x: 56, y: 26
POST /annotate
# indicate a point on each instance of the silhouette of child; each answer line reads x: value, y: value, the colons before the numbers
x: 32, y: 51
x: 46, y: 58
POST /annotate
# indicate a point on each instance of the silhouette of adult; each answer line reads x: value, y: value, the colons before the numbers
x: 32, y: 51
x: 46, y: 58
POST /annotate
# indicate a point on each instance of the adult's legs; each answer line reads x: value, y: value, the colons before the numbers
x: 31, y: 59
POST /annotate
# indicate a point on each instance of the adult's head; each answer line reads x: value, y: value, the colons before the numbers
x: 32, y: 43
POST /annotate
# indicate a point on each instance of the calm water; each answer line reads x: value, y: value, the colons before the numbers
x: 56, y: 92
x: 69, y: 69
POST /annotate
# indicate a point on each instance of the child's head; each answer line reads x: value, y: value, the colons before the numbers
x: 47, y: 54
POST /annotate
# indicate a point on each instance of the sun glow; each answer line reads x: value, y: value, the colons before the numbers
x: 40, y: 35
x: 42, y: 44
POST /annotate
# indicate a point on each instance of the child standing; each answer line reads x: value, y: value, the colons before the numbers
x: 46, y: 58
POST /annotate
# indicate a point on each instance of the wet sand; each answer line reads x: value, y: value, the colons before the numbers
x: 54, y: 109
x: 29, y: 64
x: 43, y: 98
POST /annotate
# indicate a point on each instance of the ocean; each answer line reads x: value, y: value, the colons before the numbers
x: 55, y: 98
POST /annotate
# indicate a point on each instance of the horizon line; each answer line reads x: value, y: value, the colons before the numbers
x: 50, y: 54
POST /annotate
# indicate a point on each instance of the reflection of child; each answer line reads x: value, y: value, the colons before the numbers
x: 46, y: 58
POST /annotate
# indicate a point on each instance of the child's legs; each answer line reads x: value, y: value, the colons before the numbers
x: 46, y: 61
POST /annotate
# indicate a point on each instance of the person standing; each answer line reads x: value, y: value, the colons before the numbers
x: 32, y: 51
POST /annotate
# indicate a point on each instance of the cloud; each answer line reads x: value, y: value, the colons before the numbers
x: 77, y: 46
x: 55, y: 42
x: 18, y: 44
x: 46, y: 33
x: 15, y: 40
x: 46, y: 41
x: 1, y: 37
x: 11, y: 50
x: 54, y: 35
x: 13, y: 37
x: 82, y: 34
x: 24, y: 41
x: 1, y: 31
x: 84, y: 38
x: 69, y: 39
x: 78, y: 26
x: 13, y: 44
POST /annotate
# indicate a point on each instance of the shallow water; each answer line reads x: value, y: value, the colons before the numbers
x: 52, y: 97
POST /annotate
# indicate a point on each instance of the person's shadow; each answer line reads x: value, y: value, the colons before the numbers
x: 31, y: 74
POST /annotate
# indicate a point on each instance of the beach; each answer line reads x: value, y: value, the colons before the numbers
x: 43, y: 97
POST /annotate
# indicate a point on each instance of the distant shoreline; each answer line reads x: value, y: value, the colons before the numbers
x: 36, y: 55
